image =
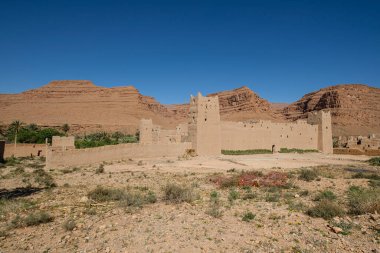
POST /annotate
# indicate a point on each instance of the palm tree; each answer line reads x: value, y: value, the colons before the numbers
x: 16, y: 126
x: 65, y: 128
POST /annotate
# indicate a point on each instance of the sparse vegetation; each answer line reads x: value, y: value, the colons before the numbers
x: 15, y: 206
x: 345, y: 226
x: 69, y: 225
x: 252, y: 178
x: 273, y: 197
x: 308, y: 175
x: 248, y: 216
x: 233, y: 195
x: 100, y: 169
x: 375, y: 161
x: 176, y: 193
x: 33, y: 219
x: 102, y: 139
x: 371, y: 176
x: 326, y: 209
x: 102, y: 194
x: 296, y: 150
x: 326, y: 194
x: 246, y: 152
x: 363, y: 200
x: 125, y: 197
x: 214, y: 208
x: 43, y: 178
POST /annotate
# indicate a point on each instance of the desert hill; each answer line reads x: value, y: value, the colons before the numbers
x: 355, y: 108
x: 84, y: 105
x: 87, y: 107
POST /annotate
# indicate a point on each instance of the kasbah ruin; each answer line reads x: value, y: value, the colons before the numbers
x: 227, y: 172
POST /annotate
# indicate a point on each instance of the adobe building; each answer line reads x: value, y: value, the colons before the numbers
x: 370, y: 142
x: 205, y: 134
x: 209, y: 135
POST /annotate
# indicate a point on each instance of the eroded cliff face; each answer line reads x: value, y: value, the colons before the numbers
x: 83, y: 103
x: 242, y: 104
x: 355, y: 108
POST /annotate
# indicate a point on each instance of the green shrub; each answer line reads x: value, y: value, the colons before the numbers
x: 178, y: 193
x: 69, y: 225
x: 273, y: 197
x: 297, y: 206
x: 326, y: 194
x: 249, y: 194
x: 138, y: 198
x: 363, y: 200
x: 33, y: 134
x: 375, y: 161
x: 12, y: 161
x: 214, y: 208
x: 248, y: 216
x: 101, y: 194
x: 296, y: 150
x: 308, y: 175
x: 102, y: 139
x: 42, y: 178
x: 345, y: 226
x: 15, y: 206
x: 126, y: 198
x: 326, y: 209
x: 33, y: 219
x: 233, y: 195
x: 371, y: 176
x: 246, y: 152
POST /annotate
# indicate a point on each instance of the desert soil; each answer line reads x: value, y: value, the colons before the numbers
x: 163, y: 226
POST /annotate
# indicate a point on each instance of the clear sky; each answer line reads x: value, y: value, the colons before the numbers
x: 171, y: 49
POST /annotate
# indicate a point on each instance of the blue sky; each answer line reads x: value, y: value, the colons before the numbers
x: 171, y: 49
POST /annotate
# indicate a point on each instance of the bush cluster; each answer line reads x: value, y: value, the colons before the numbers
x: 103, y: 139
x: 32, y: 134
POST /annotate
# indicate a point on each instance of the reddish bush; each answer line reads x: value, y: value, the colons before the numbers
x: 252, y: 178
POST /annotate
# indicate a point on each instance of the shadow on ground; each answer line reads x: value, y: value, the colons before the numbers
x: 18, y: 192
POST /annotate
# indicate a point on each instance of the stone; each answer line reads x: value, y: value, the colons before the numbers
x: 336, y: 230
x: 83, y: 199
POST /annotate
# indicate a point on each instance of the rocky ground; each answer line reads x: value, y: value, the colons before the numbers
x: 192, y: 205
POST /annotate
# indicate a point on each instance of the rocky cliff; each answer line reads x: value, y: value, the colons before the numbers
x: 81, y: 103
x: 355, y: 108
x: 243, y: 104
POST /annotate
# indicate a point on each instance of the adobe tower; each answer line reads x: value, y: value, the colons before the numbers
x: 323, y: 120
x: 204, y: 125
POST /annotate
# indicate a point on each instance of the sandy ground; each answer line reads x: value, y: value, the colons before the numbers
x: 187, y: 227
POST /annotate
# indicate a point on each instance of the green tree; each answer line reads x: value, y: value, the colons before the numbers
x: 65, y: 128
x: 2, y: 130
x: 15, y: 126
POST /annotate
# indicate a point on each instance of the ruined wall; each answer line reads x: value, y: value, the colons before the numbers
x: 150, y: 133
x: 78, y: 157
x: 24, y: 150
x: 268, y: 135
x: 370, y: 142
x: 2, y: 148
x: 204, y: 125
